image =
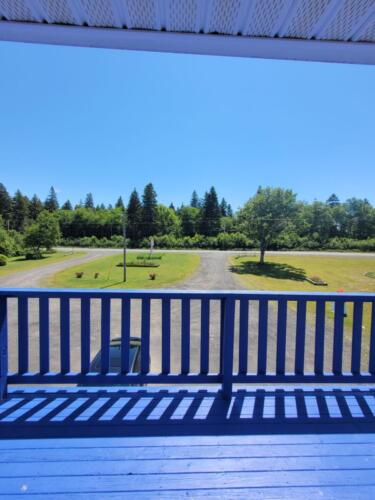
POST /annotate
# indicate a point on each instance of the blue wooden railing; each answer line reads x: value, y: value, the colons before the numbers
x: 234, y: 321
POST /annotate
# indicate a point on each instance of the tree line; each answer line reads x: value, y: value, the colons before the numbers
x: 271, y: 218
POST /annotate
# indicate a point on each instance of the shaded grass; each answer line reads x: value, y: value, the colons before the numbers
x: 173, y: 268
x: 18, y: 264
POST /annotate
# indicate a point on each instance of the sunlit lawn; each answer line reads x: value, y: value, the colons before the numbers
x: 173, y: 268
x: 17, y: 264
x: 288, y: 272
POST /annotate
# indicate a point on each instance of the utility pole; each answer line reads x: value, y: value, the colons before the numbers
x: 124, y: 247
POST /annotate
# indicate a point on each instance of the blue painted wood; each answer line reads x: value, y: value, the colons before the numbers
x: 262, y: 336
x: 3, y: 346
x: 372, y: 341
x: 105, y: 334
x: 319, y: 337
x: 243, y: 336
x: 145, y: 335
x: 185, y: 335
x: 166, y: 336
x: 65, y: 335
x: 282, y: 309
x: 23, y: 335
x: 338, y: 337
x: 227, y: 353
x: 85, y: 334
x: 299, y: 359
x: 205, y: 335
x: 125, y: 334
x: 357, y: 338
x: 44, y: 335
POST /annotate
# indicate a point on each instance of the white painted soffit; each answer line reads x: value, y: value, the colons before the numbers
x: 309, y: 30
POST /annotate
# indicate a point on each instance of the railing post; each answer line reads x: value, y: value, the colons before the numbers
x: 227, y: 351
x: 3, y: 347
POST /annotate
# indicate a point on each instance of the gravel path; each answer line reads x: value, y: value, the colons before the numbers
x: 213, y: 273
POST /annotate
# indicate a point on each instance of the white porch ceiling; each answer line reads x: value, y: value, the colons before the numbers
x: 316, y: 30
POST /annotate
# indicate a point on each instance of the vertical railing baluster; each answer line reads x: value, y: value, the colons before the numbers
x: 85, y: 334
x: 43, y: 334
x: 262, y: 336
x: 166, y: 335
x: 64, y: 335
x: 205, y: 335
x: 3, y: 346
x: 338, y: 334
x: 105, y: 335
x: 299, y: 360
x: 357, y: 338
x: 319, y: 337
x: 281, y: 336
x: 371, y: 362
x: 23, y: 335
x: 145, y: 335
x: 125, y: 334
x: 243, y: 344
x: 222, y: 315
x: 185, y: 335
x: 228, y: 347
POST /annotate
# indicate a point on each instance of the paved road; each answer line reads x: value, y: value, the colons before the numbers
x: 213, y: 273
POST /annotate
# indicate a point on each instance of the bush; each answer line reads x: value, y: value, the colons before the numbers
x: 3, y: 260
x: 152, y: 276
x: 33, y: 255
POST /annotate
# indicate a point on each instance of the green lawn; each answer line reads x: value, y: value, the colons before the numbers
x: 17, y: 264
x: 173, y: 268
x: 288, y: 272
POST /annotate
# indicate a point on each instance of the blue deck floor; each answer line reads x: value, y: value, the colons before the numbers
x: 150, y: 442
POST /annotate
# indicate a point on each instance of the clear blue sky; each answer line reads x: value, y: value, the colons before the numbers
x: 107, y: 121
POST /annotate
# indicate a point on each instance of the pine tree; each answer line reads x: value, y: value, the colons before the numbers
x: 5, y: 203
x: 51, y: 204
x: 224, y: 207
x: 171, y: 206
x: 194, y: 200
x: 333, y: 200
x: 67, y: 206
x: 120, y: 203
x: 149, y: 211
x: 89, y: 201
x: 211, y: 213
x: 229, y: 210
x: 134, y: 216
x: 20, y: 211
x: 35, y: 207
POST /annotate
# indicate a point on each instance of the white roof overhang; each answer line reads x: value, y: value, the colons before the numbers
x: 307, y: 30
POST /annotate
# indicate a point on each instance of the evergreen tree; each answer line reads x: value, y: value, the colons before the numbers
x: 35, y: 207
x: 211, y: 213
x: 194, y: 200
x: 20, y: 211
x: 229, y: 211
x: 89, y: 201
x: 5, y: 203
x: 120, y: 203
x: 134, y: 216
x: 51, y: 204
x: 67, y: 206
x: 333, y: 200
x: 171, y: 206
x: 149, y: 211
x: 224, y: 208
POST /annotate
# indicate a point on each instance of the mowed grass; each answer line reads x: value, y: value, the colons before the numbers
x: 173, y: 268
x: 19, y: 264
x: 288, y: 272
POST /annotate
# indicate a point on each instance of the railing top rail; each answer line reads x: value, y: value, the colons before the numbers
x: 189, y: 294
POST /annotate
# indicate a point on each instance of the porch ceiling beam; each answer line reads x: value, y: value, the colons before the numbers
x: 190, y: 43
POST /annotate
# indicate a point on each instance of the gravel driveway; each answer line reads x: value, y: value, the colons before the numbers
x: 213, y: 273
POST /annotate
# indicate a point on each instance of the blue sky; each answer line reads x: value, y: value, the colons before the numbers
x: 107, y: 121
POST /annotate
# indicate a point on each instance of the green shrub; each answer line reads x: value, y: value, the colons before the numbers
x: 3, y: 260
x: 33, y: 255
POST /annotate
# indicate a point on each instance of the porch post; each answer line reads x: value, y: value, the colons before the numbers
x: 3, y: 346
x: 227, y: 351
